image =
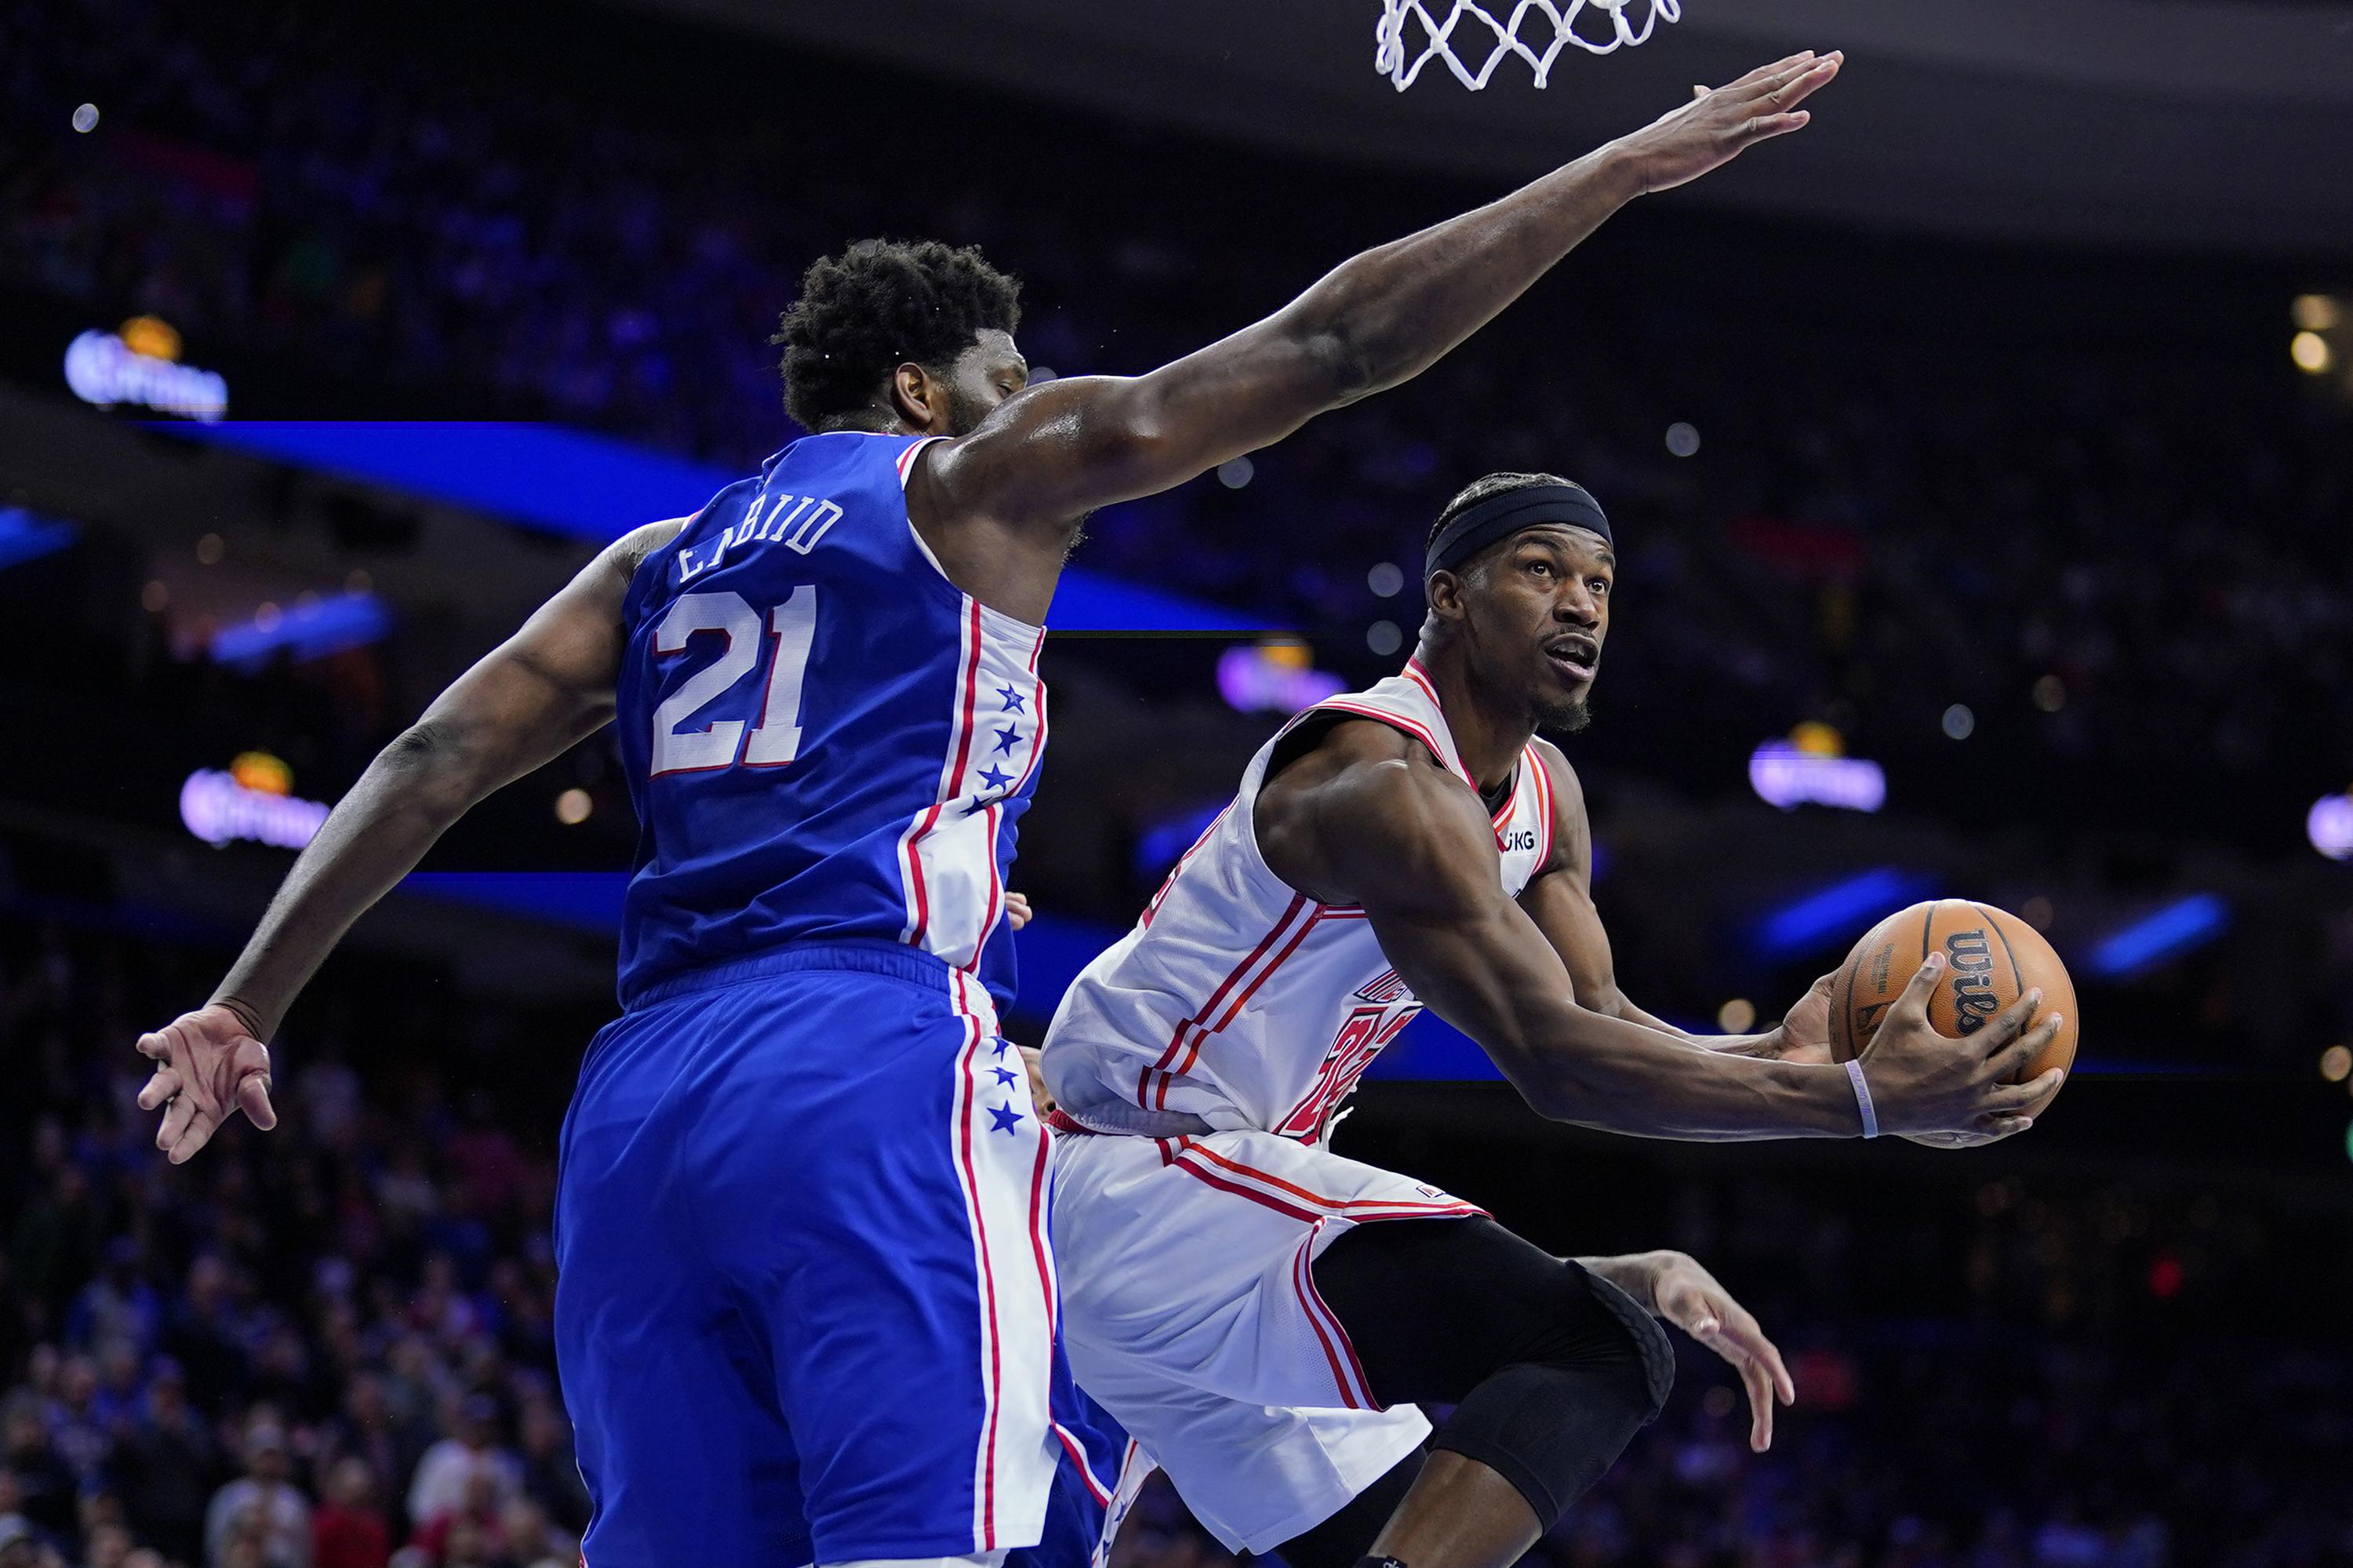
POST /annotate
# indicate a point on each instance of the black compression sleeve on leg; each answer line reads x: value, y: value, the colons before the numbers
x: 1553, y: 1370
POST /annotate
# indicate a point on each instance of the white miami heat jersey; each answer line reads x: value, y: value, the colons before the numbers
x: 1238, y: 1001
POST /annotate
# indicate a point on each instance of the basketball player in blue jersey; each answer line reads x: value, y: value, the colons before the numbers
x: 807, y: 1299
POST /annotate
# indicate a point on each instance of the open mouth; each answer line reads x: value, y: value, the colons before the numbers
x: 1576, y: 657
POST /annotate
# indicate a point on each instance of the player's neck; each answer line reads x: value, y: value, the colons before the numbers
x: 1487, y: 737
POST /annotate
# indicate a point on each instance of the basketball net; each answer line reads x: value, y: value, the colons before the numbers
x: 1476, y: 28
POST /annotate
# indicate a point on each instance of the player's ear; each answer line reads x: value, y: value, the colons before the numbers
x: 916, y: 396
x: 1445, y: 590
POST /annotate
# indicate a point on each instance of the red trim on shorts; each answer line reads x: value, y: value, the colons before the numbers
x: 1306, y: 1291
x: 964, y: 1101
x: 1339, y: 1330
x: 1187, y: 1147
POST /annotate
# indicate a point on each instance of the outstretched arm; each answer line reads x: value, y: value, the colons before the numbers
x: 542, y: 690
x: 1559, y: 899
x: 1369, y: 819
x: 1064, y: 448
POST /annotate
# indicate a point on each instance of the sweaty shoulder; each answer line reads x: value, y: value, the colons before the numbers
x: 627, y: 553
x: 1357, y: 804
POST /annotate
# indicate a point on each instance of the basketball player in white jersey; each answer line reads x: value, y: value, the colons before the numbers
x: 1226, y: 1295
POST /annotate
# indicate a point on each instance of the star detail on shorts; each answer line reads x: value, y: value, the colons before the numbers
x: 1014, y: 701
x: 1001, y: 1043
x: 1006, y: 1075
x: 1006, y: 739
x: 1004, y: 1118
x: 994, y: 778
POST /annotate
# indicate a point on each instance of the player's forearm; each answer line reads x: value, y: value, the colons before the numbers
x: 404, y: 801
x: 1384, y: 316
x: 1613, y: 1001
x: 1616, y: 1076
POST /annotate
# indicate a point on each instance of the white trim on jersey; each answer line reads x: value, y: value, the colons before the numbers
x: 950, y: 877
x: 1238, y: 1002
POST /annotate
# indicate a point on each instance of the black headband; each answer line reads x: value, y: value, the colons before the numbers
x: 1499, y: 517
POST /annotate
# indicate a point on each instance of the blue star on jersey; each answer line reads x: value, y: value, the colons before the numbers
x: 1006, y: 739
x: 1005, y: 1119
x: 1005, y: 1074
x: 994, y: 778
x: 1015, y: 703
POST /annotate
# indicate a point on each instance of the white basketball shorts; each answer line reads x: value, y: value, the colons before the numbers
x: 1189, y: 1312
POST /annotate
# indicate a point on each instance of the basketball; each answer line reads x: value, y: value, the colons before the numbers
x: 1994, y: 957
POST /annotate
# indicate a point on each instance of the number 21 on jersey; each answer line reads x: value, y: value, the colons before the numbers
x: 775, y: 740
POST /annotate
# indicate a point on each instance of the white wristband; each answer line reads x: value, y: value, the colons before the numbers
x: 1863, y: 1099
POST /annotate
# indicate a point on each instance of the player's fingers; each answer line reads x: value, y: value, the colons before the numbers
x: 159, y: 1088
x: 2007, y: 1025
x: 1741, y: 1332
x: 157, y: 1044
x: 177, y: 1117
x: 1766, y: 73
x: 2028, y: 1098
x: 1767, y: 127
x: 1913, y: 1002
x: 1761, y: 1405
x: 1803, y: 84
x: 253, y: 1098
x: 2012, y: 1059
x: 199, y: 1133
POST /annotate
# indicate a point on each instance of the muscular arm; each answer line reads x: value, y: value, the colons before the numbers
x: 1064, y: 448
x: 1559, y: 899
x: 528, y: 699
x: 1370, y: 818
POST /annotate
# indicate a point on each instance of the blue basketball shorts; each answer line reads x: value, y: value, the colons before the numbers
x: 805, y: 1300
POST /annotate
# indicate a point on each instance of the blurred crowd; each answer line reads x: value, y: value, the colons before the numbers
x: 2080, y: 501
x: 329, y: 1347
x: 329, y: 1351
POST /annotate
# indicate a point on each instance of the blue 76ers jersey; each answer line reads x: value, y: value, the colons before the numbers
x: 825, y: 738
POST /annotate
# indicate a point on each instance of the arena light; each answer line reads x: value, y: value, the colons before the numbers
x: 2310, y: 352
x: 24, y: 537
x: 1840, y: 909
x: 591, y: 487
x: 1275, y: 676
x: 139, y: 365
x: 1810, y: 768
x: 306, y: 631
x: 2175, y: 929
x: 218, y: 808
x: 2329, y: 826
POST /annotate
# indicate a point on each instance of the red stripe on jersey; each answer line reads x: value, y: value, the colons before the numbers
x: 1176, y: 1036
x: 1543, y: 807
x: 1399, y: 721
x: 1233, y: 1011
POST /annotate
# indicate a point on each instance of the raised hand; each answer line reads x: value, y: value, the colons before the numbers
x: 1956, y: 1092
x: 1719, y: 124
x: 208, y: 1065
x: 1688, y: 1296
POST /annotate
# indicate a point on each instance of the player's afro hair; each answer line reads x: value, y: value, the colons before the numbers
x: 1479, y: 490
x: 879, y: 304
